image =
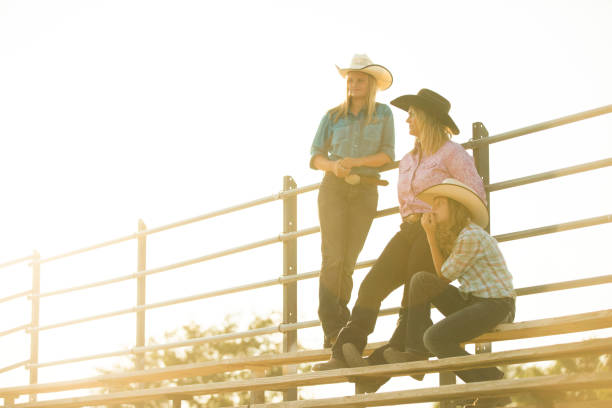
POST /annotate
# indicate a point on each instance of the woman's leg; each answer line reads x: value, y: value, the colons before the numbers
x: 362, y: 204
x: 402, y: 257
x: 333, y: 218
x: 481, y: 315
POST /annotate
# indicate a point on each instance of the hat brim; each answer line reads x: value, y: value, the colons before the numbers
x: 404, y: 102
x: 383, y: 76
x: 464, y: 195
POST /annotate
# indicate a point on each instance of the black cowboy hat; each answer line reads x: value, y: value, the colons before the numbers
x: 432, y: 103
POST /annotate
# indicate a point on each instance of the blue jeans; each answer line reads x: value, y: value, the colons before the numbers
x: 467, y: 317
x: 345, y: 215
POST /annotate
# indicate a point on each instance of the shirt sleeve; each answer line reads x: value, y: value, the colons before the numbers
x: 461, y: 166
x: 387, y: 145
x: 320, y: 144
x: 464, y: 253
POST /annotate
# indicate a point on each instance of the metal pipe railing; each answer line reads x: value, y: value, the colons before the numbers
x: 530, y: 290
x: 549, y: 124
x: 228, y: 210
x: 14, y: 330
x: 15, y: 261
x: 549, y: 229
x: 16, y: 296
x: 566, y: 171
x: 14, y: 366
x: 292, y: 236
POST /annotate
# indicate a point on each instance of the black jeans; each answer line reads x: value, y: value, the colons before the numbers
x: 467, y: 317
x: 345, y: 215
x: 407, y: 253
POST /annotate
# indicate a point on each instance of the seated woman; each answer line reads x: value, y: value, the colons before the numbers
x: 461, y: 249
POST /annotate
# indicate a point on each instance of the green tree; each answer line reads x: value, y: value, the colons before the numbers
x: 246, y: 347
x: 584, y: 364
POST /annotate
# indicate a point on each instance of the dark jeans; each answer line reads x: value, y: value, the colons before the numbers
x: 467, y: 317
x: 407, y: 253
x: 345, y: 215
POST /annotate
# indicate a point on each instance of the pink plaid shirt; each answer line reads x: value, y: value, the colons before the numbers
x: 450, y: 161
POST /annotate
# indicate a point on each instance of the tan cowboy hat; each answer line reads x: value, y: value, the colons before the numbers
x: 461, y: 193
x: 363, y: 63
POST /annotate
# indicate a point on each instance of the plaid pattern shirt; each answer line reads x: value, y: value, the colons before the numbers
x: 478, y: 264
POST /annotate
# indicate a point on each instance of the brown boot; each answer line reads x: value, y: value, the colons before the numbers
x: 392, y: 355
x: 333, y: 364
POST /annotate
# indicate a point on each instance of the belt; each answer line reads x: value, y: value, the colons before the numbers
x: 412, y: 218
x: 359, y: 179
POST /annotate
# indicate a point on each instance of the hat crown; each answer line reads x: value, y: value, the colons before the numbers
x: 436, y: 99
x: 360, y: 60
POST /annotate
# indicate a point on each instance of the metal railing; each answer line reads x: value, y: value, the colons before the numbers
x: 288, y: 237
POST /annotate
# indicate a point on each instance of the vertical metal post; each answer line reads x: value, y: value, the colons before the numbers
x: 35, y: 321
x: 141, y: 299
x: 289, y: 268
x: 481, y: 158
x: 141, y: 294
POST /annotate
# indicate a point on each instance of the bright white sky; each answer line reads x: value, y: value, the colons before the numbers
x: 111, y: 111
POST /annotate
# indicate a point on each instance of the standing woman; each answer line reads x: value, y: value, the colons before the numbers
x: 353, y: 140
x: 433, y: 159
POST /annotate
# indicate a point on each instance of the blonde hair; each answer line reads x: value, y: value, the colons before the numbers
x: 447, y: 233
x: 433, y: 132
x: 341, y: 111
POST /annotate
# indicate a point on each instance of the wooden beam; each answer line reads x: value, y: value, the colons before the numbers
x: 596, y: 346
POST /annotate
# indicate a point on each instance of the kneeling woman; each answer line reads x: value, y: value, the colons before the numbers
x: 461, y: 249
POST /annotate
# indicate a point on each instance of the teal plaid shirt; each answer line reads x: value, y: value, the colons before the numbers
x: 350, y: 137
x: 478, y: 264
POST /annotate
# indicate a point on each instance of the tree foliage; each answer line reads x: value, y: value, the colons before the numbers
x: 578, y: 365
x: 246, y: 347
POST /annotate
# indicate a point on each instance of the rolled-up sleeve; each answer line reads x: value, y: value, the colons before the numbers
x: 320, y: 144
x: 387, y: 145
x: 463, y: 255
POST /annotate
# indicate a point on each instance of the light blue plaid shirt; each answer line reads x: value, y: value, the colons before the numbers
x: 350, y: 137
x: 478, y: 264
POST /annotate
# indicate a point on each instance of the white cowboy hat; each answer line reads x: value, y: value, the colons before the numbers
x: 363, y: 63
x: 461, y: 193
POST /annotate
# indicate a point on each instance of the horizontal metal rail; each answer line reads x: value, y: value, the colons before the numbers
x: 566, y: 171
x: 471, y: 144
x: 14, y: 366
x: 16, y: 296
x: 566, y: 226
x: 530, y: 290
x: 549, y: 124
x: 14, y: 330
x: 16, y: 261
x: 264, y: 200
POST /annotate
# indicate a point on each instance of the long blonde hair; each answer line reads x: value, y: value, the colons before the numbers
x: 433, y: 132
x: 341, y: 111
x: 447, y: 232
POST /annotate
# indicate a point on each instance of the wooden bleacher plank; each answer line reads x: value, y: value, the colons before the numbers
x: 458, y: 391
x: 595, y: 346
x: 547, y: 327
x: 510, y: 331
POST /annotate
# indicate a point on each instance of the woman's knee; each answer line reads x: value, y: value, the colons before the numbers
x: 424, y: 286
x: 434, y: 340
